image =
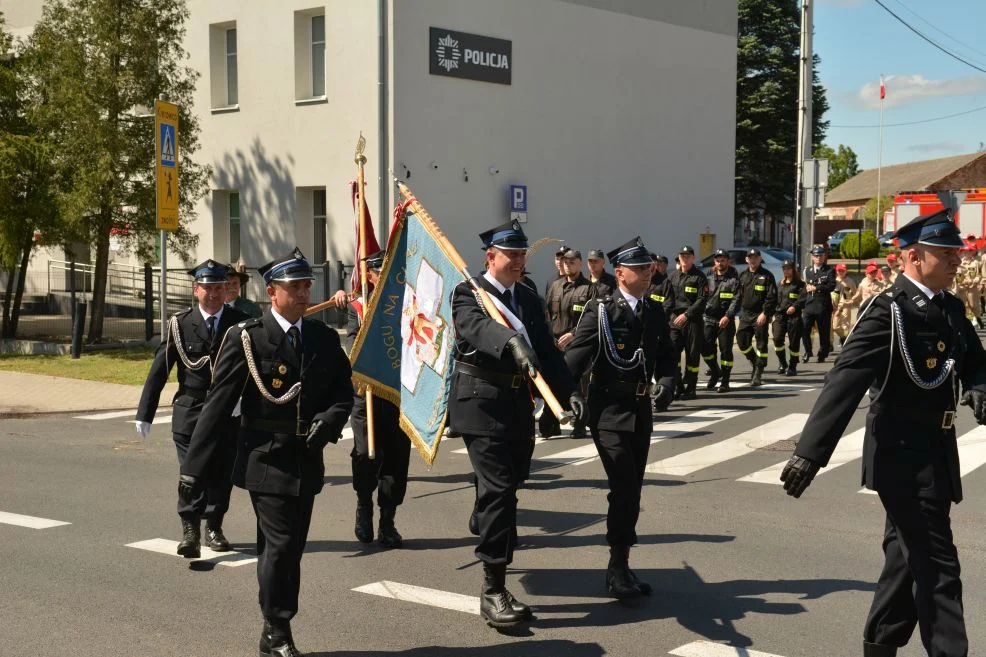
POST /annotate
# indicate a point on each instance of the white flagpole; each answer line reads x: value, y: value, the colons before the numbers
x: 879, y: 167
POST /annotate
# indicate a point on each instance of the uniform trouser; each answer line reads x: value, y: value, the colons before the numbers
x: 842, y: 322
x: 624, y: 457
x: 213, y: 501
x: 282, y: 531
x: 823, y: 320
x: 688, y: 338
x: 388, y: 471
x: 712, y: 335
x: 501, y: 464
x: 787, y: 326
x: 752, y: 340
x: 920, y: 582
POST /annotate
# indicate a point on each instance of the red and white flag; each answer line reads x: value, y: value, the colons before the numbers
x: 372, y: 246
x: 883, y: 89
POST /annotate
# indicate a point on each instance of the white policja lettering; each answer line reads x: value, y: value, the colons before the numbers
x: 489, y: 59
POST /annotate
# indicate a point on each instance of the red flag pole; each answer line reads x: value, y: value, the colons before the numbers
x: 371, y: 446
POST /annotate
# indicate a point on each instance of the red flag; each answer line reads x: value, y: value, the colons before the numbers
x: 883, y: 89
x: 372, y: 246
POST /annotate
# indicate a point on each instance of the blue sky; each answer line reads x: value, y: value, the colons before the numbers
x: 858, y: 41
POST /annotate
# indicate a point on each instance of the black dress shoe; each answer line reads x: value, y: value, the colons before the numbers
x: 620, y: 583
x: 578, y: 431
x: 364, y: 522
x: 388, y: 536
x: 806, y: 358
x: 474, y: 523
x: 191, y: 536
x: 216, y: 541
x: 277, y: 643
x: 519, y: 606
x: 645, y: 588
x: 494, y: 603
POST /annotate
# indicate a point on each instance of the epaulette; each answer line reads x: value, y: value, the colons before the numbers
x: 182, y: 313
x: 250, y: 323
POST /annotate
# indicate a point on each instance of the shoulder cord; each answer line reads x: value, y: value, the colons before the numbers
x: 920, y: 382
x: 252, y: 366
x: 612, y: 355
x: 173, y: 329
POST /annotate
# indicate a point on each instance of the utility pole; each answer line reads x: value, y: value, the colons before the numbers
x: 803, y: 216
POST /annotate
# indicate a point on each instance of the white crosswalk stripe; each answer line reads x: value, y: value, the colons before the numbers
x: 31, y: 522
x: 709, y: 649
x: 742, y: 444
x: 849, y: 449
x: 170, y: 548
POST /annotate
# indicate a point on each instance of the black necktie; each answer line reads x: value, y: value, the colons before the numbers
x: 211, y: 326
x: 638, y: 310
x: 294, y: 335
x: 509, y: 300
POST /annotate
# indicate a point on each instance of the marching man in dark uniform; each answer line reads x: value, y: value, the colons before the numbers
x: 787, y: 321
x: 912, y: 347
x: 685, y: 307
x: 192, y: 343
x: 719, y: 320
x: 759, y: 291
x: 387, y: 473
x: 625, y: 342
x: 819, y: 284
x: 295, y: 383
x: 490, y: 403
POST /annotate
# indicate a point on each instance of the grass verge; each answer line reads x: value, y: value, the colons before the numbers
x: 127, y: 366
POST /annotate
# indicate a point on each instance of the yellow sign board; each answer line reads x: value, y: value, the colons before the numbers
x: 706, y: 244
x: 166, y: 163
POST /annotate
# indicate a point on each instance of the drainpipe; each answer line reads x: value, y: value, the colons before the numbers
x: 384, y: 184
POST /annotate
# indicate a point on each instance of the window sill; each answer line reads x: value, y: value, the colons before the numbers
x: 316, y: 100
x: 225, y: 110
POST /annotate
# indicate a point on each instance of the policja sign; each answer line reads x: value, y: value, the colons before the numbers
x: 469, y: 56
x: 166, y: 164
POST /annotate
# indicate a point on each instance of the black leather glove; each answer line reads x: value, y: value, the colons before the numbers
x: 522, y: 354
x: 188, y: 488
x: 797, y: 474
x: 319, y: 436
x: 976, y: 400
x: 577, y: 403
x: 662, y: 396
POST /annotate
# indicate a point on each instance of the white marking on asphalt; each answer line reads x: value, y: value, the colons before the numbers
x: 107, y: 416
x: 709, y: 649
x: 422, y: 596
x: 745, y: 443
x: 850, y: 448
x: 972, y: 453
x: 30, y: 522
x: 164, y: 546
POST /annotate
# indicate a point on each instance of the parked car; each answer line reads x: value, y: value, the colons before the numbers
x: 886, y: 240
x: 770, y: 260
x: 835, y: 239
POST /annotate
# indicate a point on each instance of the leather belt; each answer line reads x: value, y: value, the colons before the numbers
x: 198, y: 394
x: 943, y: 419
x: 621, y: 388
x: 513, y: 381
x: 276, y: 426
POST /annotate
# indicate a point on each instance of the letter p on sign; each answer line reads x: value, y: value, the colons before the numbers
x: 518, y: 198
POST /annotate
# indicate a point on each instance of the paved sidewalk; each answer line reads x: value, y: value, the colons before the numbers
x: 35, y: 393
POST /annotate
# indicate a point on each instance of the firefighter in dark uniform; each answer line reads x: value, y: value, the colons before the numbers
x: 566, y: 300
x: 685, y: 306
x: 490, y: 403
x: 719, y: 320
x: 624, y: 342
x: 387, y: 473
x: 657, y: 292
x: 911, y: 347
x: 787, y: 321
x: 191, y: 343
x: 603, y: 281
x: 759, y: 301
x: 295, y: 383
x: 819, y: 284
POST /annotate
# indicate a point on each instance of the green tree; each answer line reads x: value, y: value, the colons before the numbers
x: 862, y: 244
x: 869, y: 215
x: 766, y: 107
x: 843, y: 163
x: 96, y: 67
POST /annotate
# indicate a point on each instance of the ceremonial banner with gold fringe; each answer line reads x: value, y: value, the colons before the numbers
x: 405, y: 348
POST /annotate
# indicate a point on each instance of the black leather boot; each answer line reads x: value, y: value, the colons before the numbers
x: 474, y: 516
x: 691, y: 381
x: 724, y: 383
x: 620, y: 582
x: 191, y: 536
x: 389, y: 537
x: 756, y: 380
x: 878, y: 650
x: 494, y: 605
x: 364, y: 521
x: 276, y: 640
x: 782, y: 362
x: 714, y: 374
x: 214, y: 537
x: 792, y: 368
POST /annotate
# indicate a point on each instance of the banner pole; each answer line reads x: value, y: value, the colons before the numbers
x: 371, y: 443
x: 550, y: 400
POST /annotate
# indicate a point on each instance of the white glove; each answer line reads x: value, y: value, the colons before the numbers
x: 143, y: 428
x: 237, y: 411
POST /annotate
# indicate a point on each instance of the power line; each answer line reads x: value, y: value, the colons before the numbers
x: 940, y: 31
x: 897, y: 125
x: 929, y: 39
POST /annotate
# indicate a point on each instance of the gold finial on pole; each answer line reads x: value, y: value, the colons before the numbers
x: 360, y: 146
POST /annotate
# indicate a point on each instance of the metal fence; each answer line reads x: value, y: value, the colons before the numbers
x: 133, y: 306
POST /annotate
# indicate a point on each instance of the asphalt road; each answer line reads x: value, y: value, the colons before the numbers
x: 734, y: 562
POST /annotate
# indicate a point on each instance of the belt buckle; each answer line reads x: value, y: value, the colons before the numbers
x: 948, y: 420
x: 641, y: 390
x: 517, y: 381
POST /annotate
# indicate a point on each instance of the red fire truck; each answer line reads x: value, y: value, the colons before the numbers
x: 971, y: 218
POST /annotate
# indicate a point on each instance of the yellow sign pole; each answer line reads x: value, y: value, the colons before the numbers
x: 166, y: 182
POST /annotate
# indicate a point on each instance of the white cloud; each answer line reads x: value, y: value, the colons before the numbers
x: 939, y: 147
x: 907, y: 89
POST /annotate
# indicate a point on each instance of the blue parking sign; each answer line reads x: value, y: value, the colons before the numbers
x: 518, y: 198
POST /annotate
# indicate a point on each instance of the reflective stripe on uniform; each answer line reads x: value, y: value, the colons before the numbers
x: 792, y: 295
x: 779, y: 349
x: 578, y: 308
x: 690, y: 290
x: 709, y: 357
x: 795, y: 353
x: 747, y: 350
x: 727, y: 363
x: 657, y: 297
x: 691, y: 369
x: 726, y: 295
x: 759, y: 288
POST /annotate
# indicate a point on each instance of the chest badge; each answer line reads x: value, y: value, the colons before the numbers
x: 276, y: 384
x: 282, y: 369
x: 941, y: 346
x: 931, y: 363
x: 620, y: 345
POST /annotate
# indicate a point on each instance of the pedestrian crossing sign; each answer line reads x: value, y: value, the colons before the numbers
x: 166, y: 164
x: 167, y: 145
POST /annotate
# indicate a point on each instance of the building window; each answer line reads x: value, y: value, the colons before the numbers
x: 232, y: 91
x: 223, y: 66
x: 234, y: 226
x: 319, y: 254
x: 309, y: 54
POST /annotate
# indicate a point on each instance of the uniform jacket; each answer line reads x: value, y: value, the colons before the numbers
x: 659, y: 290
x: 820, y: 300
x: 267, y: 461
x: 566, y: 301
x: 622, y: 410
x: 724, y: 295
x: 689, y: 293
x: 791, y: 294
x: 905, y: 447
x: 192, y: 384
x: 759, y: 289
x: 478, y: 407
x: 605, y: 286
x: 246, y: 306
